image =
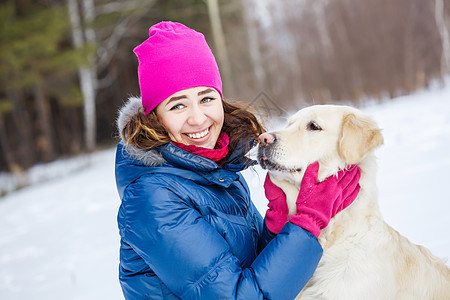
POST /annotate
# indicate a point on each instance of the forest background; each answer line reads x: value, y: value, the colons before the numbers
x: 67, y: 66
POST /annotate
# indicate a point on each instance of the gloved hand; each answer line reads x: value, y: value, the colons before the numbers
x: 317, y: 202
x: 277, y: 214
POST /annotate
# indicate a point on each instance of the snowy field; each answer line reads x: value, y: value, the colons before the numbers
x: 59, y: 237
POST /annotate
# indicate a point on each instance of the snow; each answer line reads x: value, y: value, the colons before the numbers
x: 42, y: 172
x: 60, y: 240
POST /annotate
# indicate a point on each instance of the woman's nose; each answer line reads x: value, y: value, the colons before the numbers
x: 197, y: 116
x: 266, y: 138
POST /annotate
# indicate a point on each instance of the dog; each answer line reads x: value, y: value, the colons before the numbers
x: 363, y: 258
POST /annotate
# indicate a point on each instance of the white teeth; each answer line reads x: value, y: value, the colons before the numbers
x: 198, y: 135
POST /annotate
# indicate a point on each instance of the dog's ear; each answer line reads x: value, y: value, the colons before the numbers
x: 359, y: 136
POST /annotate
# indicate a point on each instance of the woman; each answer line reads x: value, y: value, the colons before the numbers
x: 187, y: 225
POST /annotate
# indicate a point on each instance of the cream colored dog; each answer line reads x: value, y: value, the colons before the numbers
x: 364, y: 258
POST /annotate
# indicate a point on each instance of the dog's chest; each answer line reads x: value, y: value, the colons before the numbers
x: 343, y: 274
x: 351, y: 265
x: 291, y: 193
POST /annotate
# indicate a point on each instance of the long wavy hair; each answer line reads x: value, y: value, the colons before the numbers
x: 146, y: 131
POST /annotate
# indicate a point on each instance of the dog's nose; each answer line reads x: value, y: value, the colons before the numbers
x: 266, y: 138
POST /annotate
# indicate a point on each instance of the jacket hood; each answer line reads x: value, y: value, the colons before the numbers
x: 151, y: 158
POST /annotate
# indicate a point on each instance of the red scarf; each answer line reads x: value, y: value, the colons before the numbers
x: 216, y: 154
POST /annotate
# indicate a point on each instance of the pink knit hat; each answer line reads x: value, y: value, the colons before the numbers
x: 174, y: 58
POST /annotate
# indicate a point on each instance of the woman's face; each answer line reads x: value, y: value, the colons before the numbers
x: 193, y: 116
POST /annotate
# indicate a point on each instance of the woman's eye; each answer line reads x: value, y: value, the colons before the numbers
x: 206, y: 99
x: 178, y: 106
x: 312, y: 126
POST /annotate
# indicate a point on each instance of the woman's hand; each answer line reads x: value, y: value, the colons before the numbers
x: 277, y: 214
x: 317, y: 202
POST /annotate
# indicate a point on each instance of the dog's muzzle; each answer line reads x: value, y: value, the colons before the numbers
x: 266, y: 145
x: 267, y: 150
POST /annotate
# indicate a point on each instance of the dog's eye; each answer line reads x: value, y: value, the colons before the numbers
x: 313, y: 126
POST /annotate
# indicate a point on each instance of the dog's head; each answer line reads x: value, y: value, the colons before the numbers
x: 333, y: 135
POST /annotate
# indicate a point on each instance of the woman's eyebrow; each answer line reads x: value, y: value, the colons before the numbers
x: 207, y: 91
x: 176, y: 98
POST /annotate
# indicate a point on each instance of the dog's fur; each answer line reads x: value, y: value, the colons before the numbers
x: 364, y: 258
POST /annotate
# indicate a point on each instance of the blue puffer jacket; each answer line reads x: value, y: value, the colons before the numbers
x: 190, y: 231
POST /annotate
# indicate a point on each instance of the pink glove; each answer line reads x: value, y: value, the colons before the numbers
x: 277, y: 214
x: 317, y: 202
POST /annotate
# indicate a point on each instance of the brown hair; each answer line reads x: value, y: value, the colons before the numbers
x: 146, y: 132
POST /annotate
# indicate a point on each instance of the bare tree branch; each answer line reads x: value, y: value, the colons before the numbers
x: 108, y: 48
x: 119, y: 6
x: 445, y: 38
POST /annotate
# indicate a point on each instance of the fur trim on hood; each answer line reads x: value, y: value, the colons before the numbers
x: 151, y: 158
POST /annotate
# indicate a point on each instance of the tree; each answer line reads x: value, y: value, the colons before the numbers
x: 32, y: 57
x: 86, y: 72
x: 445, y: 37
x: 84, y: 37
x: 331, y: 50
x: 219, y: 42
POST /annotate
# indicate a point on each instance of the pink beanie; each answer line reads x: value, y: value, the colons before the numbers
x: 174, y: 58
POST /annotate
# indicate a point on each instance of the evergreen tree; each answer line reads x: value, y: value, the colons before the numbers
x: 37, y: 65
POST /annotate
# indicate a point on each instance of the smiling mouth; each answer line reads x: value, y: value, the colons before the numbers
x: 198, y: 135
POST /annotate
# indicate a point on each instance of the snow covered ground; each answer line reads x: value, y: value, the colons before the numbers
x: 59, y: 238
